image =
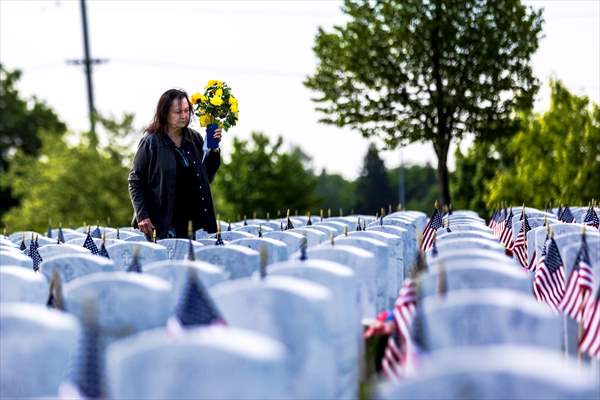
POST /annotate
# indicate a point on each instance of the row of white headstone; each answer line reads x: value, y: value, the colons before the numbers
x: 297, y: 333
x: 309, y: 311
x: 486, y: 335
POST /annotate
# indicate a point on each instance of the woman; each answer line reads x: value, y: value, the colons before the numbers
x: 171, y: 172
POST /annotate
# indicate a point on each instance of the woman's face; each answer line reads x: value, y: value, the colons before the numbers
x: 179, y: 114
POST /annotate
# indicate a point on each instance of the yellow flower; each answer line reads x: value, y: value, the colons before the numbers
x: 219, y: 92
x: 232, y: 100
x: 216, y: 101
x: 195, y: 97
x: 213, y: 82
x: 233, y: 107
x: 204, y: 120
x: 203, y: 98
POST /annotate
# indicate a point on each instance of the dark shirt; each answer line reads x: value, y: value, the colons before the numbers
x: 187, y: 194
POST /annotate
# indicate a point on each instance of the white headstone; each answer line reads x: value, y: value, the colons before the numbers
x: 36, y: 348
x: 177, y: 249
x: 126, y: 303
x: 313, y: 236
x: 20, y: 284
x: 380, y: 251
x: 473, y: 274
x: 72, y: 266
x: 210, y: 242
x: 52, y: 250
x: 395, y: 269
x: 235, y: 261
x: 362, y: 262
x: 485, y: 317
x: 122, y: 253
x: 176, y: 273
x: 233, y: 235
x: 292, y: 311
x: 276, y: 250
x: 203, y: 363
x: 19, y: 259
x: 345, y: 319
x: 253, y: 229
x: 293, y: 240
x: 496, y: 372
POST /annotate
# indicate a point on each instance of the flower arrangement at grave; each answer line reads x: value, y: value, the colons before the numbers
x: 217, y: 106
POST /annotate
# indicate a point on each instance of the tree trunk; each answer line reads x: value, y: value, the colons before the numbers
x: 444, y: 131
x: 443, y: 176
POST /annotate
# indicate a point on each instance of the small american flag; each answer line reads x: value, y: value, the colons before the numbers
x: 90, y: 245
x: 591, y: 218
x: 501, y: 217
x: 97, y: 233
x: 549, y: 280
x: 35, y: 255
x: 590, y: 338
x: 520, y: 244
x: 61, y: 235
x: 579, y: 285
x: 492, y: 222
x: 190, y: 255
x: 567, y: 215
x: 195, y: 307
x: 506, y: 235
x: 396, y: 352
x: 432, y: 226
x: 103, y: 252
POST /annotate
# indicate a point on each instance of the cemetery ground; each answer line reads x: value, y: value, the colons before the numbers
x: 395, y: 306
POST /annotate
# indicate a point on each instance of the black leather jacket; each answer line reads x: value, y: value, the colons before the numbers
x: 152, y: 180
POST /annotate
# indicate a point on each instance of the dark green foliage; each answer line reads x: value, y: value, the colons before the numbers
x: 333, y: 191
x: 23, y: 123
x: 372, y: 186
x: 420, y: 187
x: 261, y: 177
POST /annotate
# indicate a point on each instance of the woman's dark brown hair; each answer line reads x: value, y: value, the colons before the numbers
x: 159, y: 122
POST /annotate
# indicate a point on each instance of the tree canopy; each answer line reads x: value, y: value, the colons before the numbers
x: 372, y: 186
x: 261, y: 177
x: 428, y: 71
x: 556, y: 155
x: 23, y: 124
x: 71, y: 184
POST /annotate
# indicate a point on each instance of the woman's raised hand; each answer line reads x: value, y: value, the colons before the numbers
x: 217, y: 134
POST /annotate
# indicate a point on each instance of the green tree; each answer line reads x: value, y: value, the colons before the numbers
x: 334, y: 192
x: 427, y: 71
x: 260, y: 177
x: 476, y: 168
x: 556, y: 155
x: 420, y: 187
x: 372, y: 186
x: 23, y: 123
x: 71, y: 183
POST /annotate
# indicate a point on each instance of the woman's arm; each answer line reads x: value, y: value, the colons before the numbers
x: 138, y: 180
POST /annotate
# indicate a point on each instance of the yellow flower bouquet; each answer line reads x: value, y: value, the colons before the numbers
x: 217, y: 107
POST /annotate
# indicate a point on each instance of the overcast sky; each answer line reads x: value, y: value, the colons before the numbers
x: 262, y: 49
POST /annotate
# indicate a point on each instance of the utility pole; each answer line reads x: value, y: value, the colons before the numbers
x: 401, y: 183
x: 88, y: 62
